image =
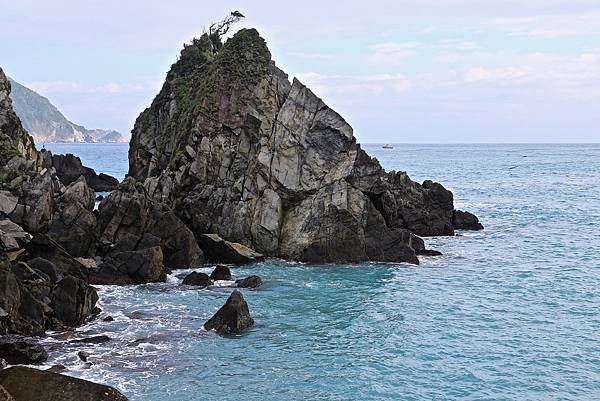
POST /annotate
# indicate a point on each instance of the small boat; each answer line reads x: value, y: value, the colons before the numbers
x: 388, y: 146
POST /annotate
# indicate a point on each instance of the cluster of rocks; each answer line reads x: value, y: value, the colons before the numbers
x: 221, y: 273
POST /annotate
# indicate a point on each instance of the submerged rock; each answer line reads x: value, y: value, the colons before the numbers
x: 26, y: 384
x: 197, y: 279
x: 233, y: 317
x: 221, y: 273
x: 249, y: 282
x: 218, y: 250
x: 17, y: 349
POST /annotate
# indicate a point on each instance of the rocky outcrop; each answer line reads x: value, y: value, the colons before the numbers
x: 221, y: 273
x: 233, y: 317
x: 131, y: 267
x: 130, y: 220
x: 69, y: 168
x: 249, y: 282
x: 21, y: 350
x: 27, y: 384
x: 217, y: 250
x: 466, y: 221
x: 197, y: 279
x: 237, y: 150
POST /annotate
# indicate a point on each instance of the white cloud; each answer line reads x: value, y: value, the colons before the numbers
x: 356, y: 85
x: 77, y: 88
x: 391, y: 53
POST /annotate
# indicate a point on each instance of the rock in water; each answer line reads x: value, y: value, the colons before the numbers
x: 218, y: 250
x: 233, y: 317
x: 249, y: 282
x: 26, y: 384
x: 197, y: 279
x: 466, y: 221
x: 221, y: 273
x: 17, y: 349
x: 238, y: 151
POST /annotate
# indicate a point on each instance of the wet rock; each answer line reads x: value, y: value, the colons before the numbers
x: 92, y: 340
x: 26, y: 384
x: 218, y: 250
x: 99, y: 198
x: 197, y: 279
x: 133, y: 267
x: 429, y: 252
x: 466, y: 221
x: 221, y: 273
x: 57, y: 369
x: 233, y: 317
x: 131, y: 220
x: 108, y: 319
x: 73, y: 301
x: 249, y: 282
x: 17, y: 349
x: 83, y: 355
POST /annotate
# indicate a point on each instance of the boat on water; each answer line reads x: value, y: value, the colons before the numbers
x: 388, y: 146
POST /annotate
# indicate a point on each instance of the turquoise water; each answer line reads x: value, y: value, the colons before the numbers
x: 510, y: 313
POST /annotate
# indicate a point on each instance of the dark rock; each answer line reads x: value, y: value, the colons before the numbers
x: 83, y: 355
x: 131, y: 220
x: 69, y: 169
x: 466, y: 221
x: 46, y: 267
x: 44, y: 247
x: 99, y: 198
x: 429, y: 252
x: 57, y: 369
x: 218, y: 250
x: 197, y: 279
x: 73, y: 301
x: 17, y: 349
x: 3, y: 363
x: 108, y: 319
x: 92, y: 340
x: 249, y: 282
x: 233, y: 317
x: 26, y: 384
x: 221, y: 273
x: 133, y: 267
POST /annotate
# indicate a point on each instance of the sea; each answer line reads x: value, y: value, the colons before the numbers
x: 508, y: 313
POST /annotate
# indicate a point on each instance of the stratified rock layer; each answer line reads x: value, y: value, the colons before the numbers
x: 239, y: 151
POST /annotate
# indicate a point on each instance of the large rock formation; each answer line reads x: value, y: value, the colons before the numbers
x: 233, y: 317
x: 237, y: 150
x: 69, y: 168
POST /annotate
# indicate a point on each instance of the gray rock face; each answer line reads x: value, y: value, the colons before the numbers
x: 26, y: 384
x: 131, y: 220
x: 69, y: 169
x: 269, y: 165
x: 233, y: 317
x: 218, y: 250
x: 131, y: 267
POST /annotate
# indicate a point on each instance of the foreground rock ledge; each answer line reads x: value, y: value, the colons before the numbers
x: 233, y: 317
x: 26, y: 384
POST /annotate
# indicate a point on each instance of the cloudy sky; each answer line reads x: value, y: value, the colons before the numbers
x: 416, y: 71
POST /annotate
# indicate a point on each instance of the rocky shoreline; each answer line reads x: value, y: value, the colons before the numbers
x: 230, y: 164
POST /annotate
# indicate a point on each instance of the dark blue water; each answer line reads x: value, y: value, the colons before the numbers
x: 510, y: 313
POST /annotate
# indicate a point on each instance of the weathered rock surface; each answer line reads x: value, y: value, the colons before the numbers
x: 218, y: 250
x: 249, y: 282
x: 26, y: 384
x: 466, y: 221
x: 131, y: 267
x: 17, y: 349
x: 233, y: 317
x: 197, y: 279
x: 131, y: 220
x: 238, y: 151
x: 221, y: 273
x: 69, y: 169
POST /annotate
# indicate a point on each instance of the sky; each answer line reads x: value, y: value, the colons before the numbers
x: 403, y: 71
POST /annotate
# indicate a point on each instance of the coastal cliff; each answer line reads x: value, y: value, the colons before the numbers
x: 237, y: 150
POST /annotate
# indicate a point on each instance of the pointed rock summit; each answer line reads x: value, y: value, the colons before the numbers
x: 238, y: 150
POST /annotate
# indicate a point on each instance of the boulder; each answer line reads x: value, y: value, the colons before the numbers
x: 8, y: 202
x: 17, y: 349
x: 233, y: 317
x: 197, y: 279
x: 249, y: 282
x: 217, y: 250
x: 131, y: 267
x: 466, y: 221
x: 131, y: 220
x: 36, y: 203
x: 221, y: 273
x: 42, y: 246
x: 69, y: 169
x: 73, y: 301
x: 27, y: 384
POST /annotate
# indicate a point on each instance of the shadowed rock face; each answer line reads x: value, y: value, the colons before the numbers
x: 233, y: 317
x: 241, y: 152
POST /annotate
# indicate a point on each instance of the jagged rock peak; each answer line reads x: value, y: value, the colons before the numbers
x: 237, y: 150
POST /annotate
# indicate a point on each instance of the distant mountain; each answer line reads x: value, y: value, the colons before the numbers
x: 47, y: 124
